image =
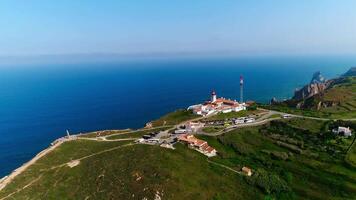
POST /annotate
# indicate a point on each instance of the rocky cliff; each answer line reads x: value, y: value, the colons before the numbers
x: 317, y: 85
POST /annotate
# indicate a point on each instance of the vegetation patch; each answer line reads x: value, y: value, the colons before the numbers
x: 103, y: 133
x: 138, y: 133
x: 212, y: 129
x: 175, y: 117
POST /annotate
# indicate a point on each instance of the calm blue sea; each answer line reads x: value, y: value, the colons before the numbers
x: 39, y: 102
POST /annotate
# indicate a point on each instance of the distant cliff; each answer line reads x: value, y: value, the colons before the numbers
x: 317, y: 85
x: 337, y: 95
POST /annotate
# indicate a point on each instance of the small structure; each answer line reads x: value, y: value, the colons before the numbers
x: 180, y: 131
x: 286, y: 116
x: 247, y: 171
x: 192, y: 127
x: 197, y: 144
x: 149, y: 125
x: 345, y: 131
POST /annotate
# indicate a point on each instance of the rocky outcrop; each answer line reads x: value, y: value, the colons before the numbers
x: 317, y: 78
x: 317, y: 85
x: 311, y: 90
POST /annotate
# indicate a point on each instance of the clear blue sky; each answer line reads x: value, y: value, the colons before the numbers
x: 33, y: 27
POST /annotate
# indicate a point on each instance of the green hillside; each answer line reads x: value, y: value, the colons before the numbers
x: 338, y: 101
x: 290, y: 159
x: 127, y: 172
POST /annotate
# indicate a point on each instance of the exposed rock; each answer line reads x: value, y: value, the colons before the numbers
x: 317, y: 78
x: 317, y: 85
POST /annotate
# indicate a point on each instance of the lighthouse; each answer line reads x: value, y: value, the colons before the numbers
x: 213, y: 96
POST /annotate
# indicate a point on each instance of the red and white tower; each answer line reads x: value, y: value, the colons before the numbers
x: 241, y: 89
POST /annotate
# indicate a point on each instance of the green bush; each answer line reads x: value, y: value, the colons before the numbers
x: 268, y: 182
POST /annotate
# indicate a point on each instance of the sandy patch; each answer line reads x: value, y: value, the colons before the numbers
x: 73, y: 163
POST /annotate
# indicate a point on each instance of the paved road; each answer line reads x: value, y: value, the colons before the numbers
x: 306, y: 117
x: 265, y: 119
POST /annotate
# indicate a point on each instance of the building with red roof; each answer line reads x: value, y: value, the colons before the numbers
x: 197, y: 144
x: 216, y: 105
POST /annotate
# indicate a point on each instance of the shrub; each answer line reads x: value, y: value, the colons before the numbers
x: 268, y: 182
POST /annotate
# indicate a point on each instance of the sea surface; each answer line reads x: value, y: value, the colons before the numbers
x: 39, y: 102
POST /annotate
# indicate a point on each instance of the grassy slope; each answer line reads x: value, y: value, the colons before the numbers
x: 212, y: 129
x: 351, y: 154
x: 103, y: 133
x: 136, y: 134
x: 178, y: 174
x: 174, y: 118
x: 320, y: 172
x: 306, y: 124
x: 314, y: 174
x: 344, y: 93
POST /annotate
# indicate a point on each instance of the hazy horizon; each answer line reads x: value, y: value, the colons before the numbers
x: 36, y: 28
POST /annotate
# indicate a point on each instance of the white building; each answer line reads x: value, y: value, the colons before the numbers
x: 192, y: 127
x: 216, y: 105
x: 343, y: 130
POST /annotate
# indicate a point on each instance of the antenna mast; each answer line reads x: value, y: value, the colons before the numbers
x: 241, y: 89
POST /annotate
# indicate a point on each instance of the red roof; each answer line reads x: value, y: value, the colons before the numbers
x: 190, y: 139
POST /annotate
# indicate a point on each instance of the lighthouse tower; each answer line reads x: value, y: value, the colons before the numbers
x: 213, y: 96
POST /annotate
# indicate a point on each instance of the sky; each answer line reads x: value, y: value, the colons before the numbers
x: 44, y: 27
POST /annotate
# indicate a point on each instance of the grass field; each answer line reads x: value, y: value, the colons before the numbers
x: 175, y: 117
x: 290, y: 159
x: 131, y: 172
x: 307, y: 124
x: 212, y: 129
x: 351, y: 154
x: 317, y: 172
x: 137, y: 134
x: 103, y: 133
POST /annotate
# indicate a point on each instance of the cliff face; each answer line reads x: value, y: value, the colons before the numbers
x: 311, y: 90
x: 317, y: 85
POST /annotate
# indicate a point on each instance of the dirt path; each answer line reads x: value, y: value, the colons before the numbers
x: 99, y: 139
x: 224, y: 166
x: 123, y: 133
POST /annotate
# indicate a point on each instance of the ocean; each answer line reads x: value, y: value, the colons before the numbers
x: 39, y: 102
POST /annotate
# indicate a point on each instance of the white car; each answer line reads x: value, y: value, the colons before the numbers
x: 286, y: 116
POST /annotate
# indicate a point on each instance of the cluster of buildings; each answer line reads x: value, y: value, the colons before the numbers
x: 243, y: 120
x: 189, y: 127
x: 345, y: 131
x: 197, y: 144
x: 216, y: 105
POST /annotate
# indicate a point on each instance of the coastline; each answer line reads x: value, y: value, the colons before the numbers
x: 7, y: 179
x: 4, y: 181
